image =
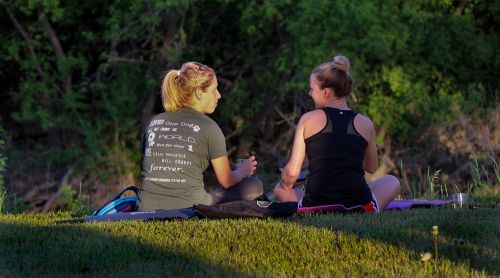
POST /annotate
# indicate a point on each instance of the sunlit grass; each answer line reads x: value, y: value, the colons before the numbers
x: 3, y: 195
x: 326, y: 245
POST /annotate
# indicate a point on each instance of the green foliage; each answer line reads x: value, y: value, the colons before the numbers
x: 482, y: 176
x: 73, y: 202
x: 403, y: 104
x: 415, y: 64
x: 407, y: 70
x: 3, y: 197
x: 3, y: 165
x: 485, y: 197
x: 388, y: 244
x: 102, y: 107
x: 485, y: 189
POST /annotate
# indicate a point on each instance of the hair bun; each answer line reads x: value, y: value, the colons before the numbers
x: 341, y: 63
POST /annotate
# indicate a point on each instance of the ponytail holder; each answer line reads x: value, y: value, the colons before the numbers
x: 178, y: 73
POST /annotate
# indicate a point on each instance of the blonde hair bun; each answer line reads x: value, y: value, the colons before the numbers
x: 341, y: 63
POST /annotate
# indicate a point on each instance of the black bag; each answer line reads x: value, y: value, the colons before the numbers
x: 246, y: 209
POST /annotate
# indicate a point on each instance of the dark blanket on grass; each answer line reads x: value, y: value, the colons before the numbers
x: 247, y: 209
x: 252, y: 209
x: 153, y: 215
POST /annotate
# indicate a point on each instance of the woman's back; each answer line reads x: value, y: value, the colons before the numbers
x: 340, y: 145
x: 336, y: 154
x: 177, y: 148
x: 179, y: 145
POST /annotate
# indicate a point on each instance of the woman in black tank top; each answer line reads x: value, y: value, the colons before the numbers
x: 340, y: 146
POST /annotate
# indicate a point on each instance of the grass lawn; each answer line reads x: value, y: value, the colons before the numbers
x: 354, y: 245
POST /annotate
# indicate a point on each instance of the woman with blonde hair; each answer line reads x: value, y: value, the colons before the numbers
x: 340, y: 147
x: 180, y: 143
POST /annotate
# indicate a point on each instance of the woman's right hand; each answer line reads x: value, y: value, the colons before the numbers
x: 246, y: 167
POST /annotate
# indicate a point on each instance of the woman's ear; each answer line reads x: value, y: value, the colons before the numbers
x: 326, y: 92
x: 197, y: 94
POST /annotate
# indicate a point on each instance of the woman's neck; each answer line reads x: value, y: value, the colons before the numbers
x: 339, y: 103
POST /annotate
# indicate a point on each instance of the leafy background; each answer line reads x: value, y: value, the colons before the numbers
x: 79, y: 80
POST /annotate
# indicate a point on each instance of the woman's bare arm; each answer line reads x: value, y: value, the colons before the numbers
x: 291, y: 171
x: 365, y: 127
x: 226, y: 176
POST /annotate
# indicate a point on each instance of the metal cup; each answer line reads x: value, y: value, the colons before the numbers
x: 460, y: 200
x: 240, y: 161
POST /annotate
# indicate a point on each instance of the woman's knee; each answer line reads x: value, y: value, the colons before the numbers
x: 277, y: 189
x: 393, y: 183
x: 387, y: 186
x: 280, y: 193
x: 252, y: 185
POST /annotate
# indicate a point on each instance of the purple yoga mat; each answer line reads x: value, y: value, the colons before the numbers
x: 392, y: 206
x: 410, y: 204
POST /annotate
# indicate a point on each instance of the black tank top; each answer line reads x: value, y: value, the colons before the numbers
x: 335, y: 154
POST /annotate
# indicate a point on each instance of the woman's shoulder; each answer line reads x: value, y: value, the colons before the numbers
x: 364, y: 121
x: 208, y: 121
x: 203, y: 123
x: 158, y: 118
x: 195, y: 117
x: 312, y: 116
x: 364, y: 126
x: 184, y: 117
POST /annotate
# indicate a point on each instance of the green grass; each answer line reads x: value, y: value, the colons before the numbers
x: 355, y: 245
x: 3, y: 196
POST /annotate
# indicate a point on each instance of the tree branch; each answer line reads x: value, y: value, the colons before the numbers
x: 460, y: 7
x: 129, y: 60
x: 56, y: 45
x: 124, y: 30
x: 27, y: 38
x: 285, y: 118
x: 148, y: 108
x: 174, y: 24
x: 64, y: 181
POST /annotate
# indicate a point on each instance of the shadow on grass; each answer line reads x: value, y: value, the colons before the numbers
x: 81, y: 250
x: 471, y: 237
x: 326, y: 245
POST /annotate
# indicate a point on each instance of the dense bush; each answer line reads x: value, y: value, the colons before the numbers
x: 83, y: 77
x: 3, y: 163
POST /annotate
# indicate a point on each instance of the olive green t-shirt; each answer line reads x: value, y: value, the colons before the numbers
x: 177, y: 148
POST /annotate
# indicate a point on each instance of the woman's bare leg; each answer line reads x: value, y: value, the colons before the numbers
x: 247, y: 189
x: 290, y: 195
x: 385, y: 190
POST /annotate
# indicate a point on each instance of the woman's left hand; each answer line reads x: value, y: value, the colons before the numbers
x: 246, y: 167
